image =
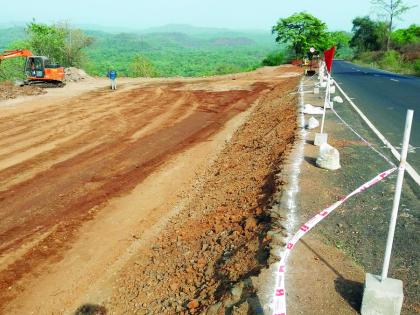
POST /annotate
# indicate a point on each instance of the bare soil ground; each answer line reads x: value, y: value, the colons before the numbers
x: 90, y: 181
x: 9, y: 91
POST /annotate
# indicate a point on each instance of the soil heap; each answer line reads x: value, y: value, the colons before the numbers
x: 73, y: 74
x: 8, y: 90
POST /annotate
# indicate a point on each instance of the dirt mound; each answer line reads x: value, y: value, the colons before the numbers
x: 75, y: 75
x: 8, y: 90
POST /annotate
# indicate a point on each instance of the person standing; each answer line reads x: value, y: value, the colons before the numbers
x: 112, y: 75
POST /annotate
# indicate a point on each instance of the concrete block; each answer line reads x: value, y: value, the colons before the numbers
x: 312, y: 123
x: 328, y: 157
x: 320, y: 138
x: 316, y: 90
x: 338, y: 99
x: 382, y: 298
x: 332, y: 89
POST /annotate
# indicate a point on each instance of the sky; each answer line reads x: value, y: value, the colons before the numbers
x: 233, y: 14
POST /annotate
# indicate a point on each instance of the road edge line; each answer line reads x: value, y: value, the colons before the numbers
x: 410, y: 170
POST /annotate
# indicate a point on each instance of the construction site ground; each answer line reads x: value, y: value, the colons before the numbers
x: 149, y: 199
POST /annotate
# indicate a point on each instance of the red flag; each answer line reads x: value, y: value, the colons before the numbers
x: 329, y: 56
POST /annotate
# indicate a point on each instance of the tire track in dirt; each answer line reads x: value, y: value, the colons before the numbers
x: 89, y: 121
x: 59, y: 190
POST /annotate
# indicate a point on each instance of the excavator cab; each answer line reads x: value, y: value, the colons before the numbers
x: 39, y: 68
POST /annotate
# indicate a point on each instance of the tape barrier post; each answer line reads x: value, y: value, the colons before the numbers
x: 279, y: 298
x: 397, y: 195
x: 327, y: 96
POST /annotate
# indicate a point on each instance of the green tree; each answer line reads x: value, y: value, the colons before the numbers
x: 47, y: 41
x: 275, y: 59
x: 340, y: 39
x: 302, y: 31
x: 393, y: 9
x: 59, y: 42
x: 12, y: 69
x: 367, y: 35
x: 75, y: 42
x: 141, y: 67
x: 402, y: 37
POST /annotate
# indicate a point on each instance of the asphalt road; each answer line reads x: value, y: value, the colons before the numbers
x: 384, y: 98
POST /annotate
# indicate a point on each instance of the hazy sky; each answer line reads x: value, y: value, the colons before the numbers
x: 236, y: 14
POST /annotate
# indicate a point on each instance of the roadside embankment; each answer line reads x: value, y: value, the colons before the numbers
x: 92, y: 181
x: 204, y: 259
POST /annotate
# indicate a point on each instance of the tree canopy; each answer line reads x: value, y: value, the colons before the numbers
x: 141, y: 67
x: 393, y: 9
x: 59, y: 42
x: 368, y: 35
x: 302, y: 31
x: 402, y: 37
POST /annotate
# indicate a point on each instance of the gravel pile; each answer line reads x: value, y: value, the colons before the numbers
x: 73, y: 74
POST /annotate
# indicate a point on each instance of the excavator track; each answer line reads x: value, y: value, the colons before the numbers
x: 46, y: 84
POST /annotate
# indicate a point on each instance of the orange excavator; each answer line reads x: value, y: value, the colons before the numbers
x: 38, y: 69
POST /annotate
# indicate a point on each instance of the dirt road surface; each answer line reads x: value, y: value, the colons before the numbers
x: 90, y: 178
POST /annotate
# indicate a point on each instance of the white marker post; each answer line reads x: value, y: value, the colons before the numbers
x: 383, y: 295
x: 397, y: 195
x: 322, y: 137
x: 326, y: 101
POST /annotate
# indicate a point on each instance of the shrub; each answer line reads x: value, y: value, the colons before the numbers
x: 227, y: 68
x: 141, y: 67
x: 391, y: 60
x: 277, y: 58
x: 416, y: 67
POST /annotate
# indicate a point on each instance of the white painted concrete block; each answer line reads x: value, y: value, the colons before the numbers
x: 384, y: 298
x: 328, y: 158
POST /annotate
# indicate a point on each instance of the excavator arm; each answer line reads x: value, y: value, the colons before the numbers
x: 15, y: 53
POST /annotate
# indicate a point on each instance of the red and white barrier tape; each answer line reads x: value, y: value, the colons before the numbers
x: 279, y: 299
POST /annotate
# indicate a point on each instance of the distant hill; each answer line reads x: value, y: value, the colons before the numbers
x: 10, y: 35
x: 174, y: 49
x: 172, y: 34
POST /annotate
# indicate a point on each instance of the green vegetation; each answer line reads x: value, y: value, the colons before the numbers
x: 179, y: 54
x: 174, y: 50
x: 277, y: 58
x: 182, y: 50
x: 141, y: 67
x: 370, y: 44
x: 377, y: 45
x: 302, y: 31
x: 60, y: 43
x: 393, y: 9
